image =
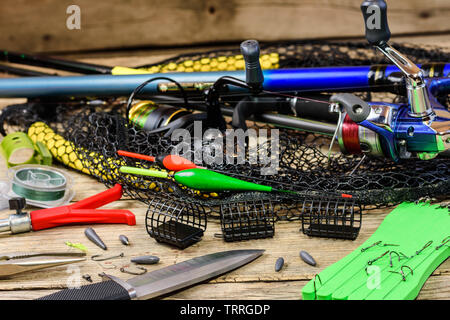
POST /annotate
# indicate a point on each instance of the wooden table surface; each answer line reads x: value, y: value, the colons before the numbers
x: 257, y: 280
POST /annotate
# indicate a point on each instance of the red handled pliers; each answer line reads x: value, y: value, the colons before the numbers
x: 81, y: 212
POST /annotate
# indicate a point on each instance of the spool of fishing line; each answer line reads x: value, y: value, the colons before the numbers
x: 42, y: 186
x: 150, y: 116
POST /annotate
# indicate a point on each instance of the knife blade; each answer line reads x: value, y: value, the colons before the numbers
x: 162, y: 281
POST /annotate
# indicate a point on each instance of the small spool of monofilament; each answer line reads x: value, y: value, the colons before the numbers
x: 38, y: 183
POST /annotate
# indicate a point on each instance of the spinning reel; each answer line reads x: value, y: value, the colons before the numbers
x: 420, y: 128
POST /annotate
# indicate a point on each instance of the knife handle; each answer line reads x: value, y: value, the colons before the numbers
x: 105, y: 290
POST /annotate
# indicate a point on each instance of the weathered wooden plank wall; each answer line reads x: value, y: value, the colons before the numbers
x: 40, y: 26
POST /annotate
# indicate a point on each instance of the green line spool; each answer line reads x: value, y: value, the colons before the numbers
x: 38, y: 183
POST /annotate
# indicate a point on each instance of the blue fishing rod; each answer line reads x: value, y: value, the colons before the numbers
x: 352, y: 78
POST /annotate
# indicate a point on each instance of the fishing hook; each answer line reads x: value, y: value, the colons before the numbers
x: 113, y: 266
x: 390, y: 245
x: 372, y: 245
x: 390, y: 257
x: 424, y: 247
x: 373, y: 260
x: 124, y: 270
x: 402, y: 273
x: 447, y: 239
x: 95, y: 257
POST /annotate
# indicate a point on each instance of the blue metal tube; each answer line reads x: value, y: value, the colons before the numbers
x: 305, y: 79
x: 440, y: 86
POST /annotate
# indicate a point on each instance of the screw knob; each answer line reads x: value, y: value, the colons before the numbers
x: 17, y: 204
x: 253, y: 73
x: 376, y: 22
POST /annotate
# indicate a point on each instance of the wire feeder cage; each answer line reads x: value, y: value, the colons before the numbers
x: 331, y: 218
x: 180, y: 223
x: 178, y: 216
x: 246, y: 220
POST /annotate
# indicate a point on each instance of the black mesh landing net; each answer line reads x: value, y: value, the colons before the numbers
x: 178, y: 215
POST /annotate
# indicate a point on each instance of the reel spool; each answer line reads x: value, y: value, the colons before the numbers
x: 158, y: 118
x: 150, y: 116
x: 41, y: 186
x: 356, y: 139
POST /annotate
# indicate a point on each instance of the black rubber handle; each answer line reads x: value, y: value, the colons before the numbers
x: 315, y: 110
x: 253, y: 73
x: 106, y: 290
x: 376, y: 22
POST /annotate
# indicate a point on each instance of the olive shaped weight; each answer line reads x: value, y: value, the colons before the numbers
x: 279, y: 264
x: 305, y: 256
x: 145, y: 260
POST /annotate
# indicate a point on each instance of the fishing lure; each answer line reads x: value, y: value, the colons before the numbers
x: 79, y: 246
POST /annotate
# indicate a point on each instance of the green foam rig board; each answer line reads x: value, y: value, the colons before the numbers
x: 394, y: 263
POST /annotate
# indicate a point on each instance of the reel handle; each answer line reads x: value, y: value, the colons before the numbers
x: 376, y: 22
x: 253, y: 73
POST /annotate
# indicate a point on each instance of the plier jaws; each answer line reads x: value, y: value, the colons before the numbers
x: 18, y: 262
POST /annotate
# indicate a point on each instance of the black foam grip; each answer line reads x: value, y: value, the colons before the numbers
x: 314, y: 109
x: 106, y: 290
x: 376, y: 22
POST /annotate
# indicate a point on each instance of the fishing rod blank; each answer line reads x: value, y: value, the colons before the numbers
x: 54, y: 63
x: 278, y: 80
x: 22, y: 72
